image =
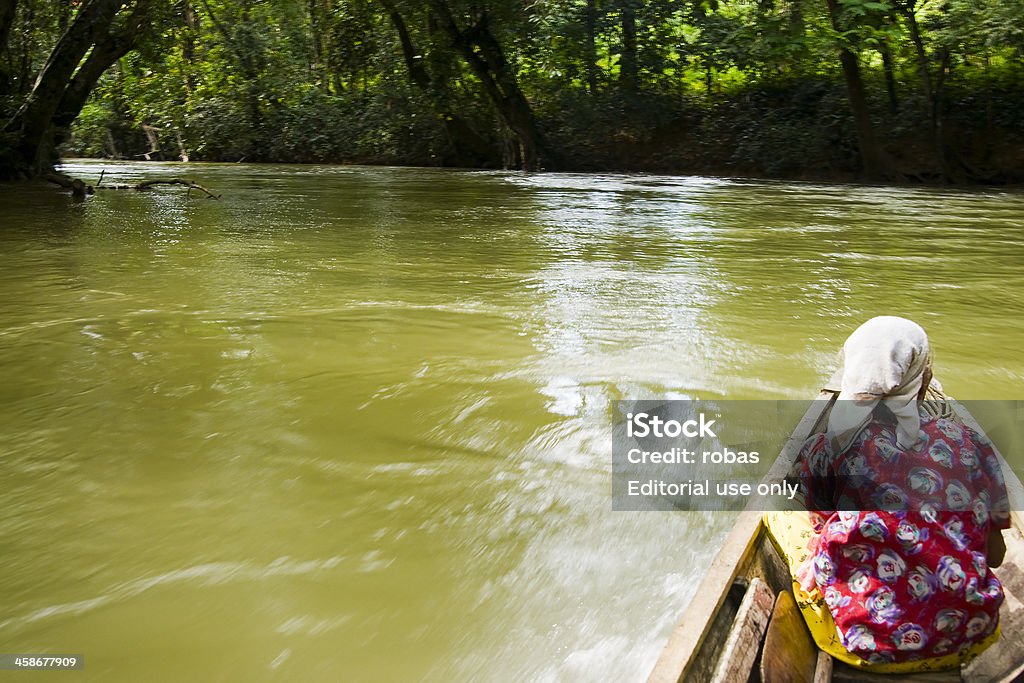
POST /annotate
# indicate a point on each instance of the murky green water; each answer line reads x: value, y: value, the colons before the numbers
x: 352, y: 423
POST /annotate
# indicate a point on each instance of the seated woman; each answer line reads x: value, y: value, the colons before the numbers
x: 905, y: 511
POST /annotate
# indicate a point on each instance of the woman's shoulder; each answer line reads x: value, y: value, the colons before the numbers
x: 946, y: 428
x: 933, y: 430
x: 815, y: 442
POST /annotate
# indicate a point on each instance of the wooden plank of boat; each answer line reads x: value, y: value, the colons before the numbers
x: 706, y: 622
x: 751, y: 621
x: 697, y: 643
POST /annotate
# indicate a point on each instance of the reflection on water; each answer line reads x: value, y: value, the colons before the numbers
x: 355, y: 421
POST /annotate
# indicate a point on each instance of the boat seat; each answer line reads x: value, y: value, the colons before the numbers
x: 788, y: 652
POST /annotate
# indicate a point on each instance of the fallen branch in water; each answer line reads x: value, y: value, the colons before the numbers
x: 190, y: 184
x: 79, y: 189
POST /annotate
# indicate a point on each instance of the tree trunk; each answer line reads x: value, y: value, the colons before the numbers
x: 7, y: 11
x: 627, y: 59
x: 483, y: 53
x: 250, y: 66
x: 188, y: 45
x: 590, y: 45
x: 25, y: 64
x: 33, y: 152
x: 938, y: 136
x: 319, y: 68
x: 890, y: 79
x: 932, y: 92
x: 919, y: 51
x: 111, y: 147
x: 417, y: 72
x: 873, y: 159
x: 107, y: 50
x: 470, y: 149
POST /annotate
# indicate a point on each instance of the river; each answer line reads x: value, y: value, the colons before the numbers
x: 352, y: 423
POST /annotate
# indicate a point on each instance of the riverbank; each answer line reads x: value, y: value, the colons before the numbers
x: 788, y: 129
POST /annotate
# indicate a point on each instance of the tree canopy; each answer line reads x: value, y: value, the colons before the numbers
x: 884, y: 88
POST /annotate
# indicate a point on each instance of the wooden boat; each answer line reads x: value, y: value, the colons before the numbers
x: 743, y: 625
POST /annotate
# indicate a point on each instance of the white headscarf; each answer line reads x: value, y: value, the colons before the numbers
x: 884, y: 361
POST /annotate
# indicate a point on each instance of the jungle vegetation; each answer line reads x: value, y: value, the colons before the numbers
x: 877, y: 89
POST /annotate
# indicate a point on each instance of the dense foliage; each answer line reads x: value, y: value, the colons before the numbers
x: 897, y: 89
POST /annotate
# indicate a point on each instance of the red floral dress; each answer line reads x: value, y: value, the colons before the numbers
x: 900, y: 557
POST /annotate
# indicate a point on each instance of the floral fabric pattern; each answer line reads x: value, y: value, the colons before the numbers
x: 899, y: 555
